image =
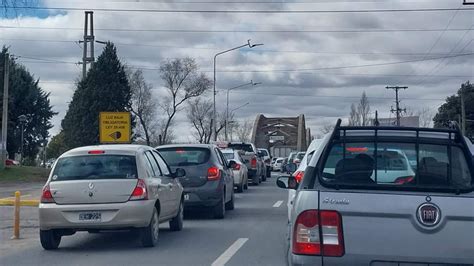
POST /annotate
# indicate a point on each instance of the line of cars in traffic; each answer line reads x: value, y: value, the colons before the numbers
x: 136, y: 187
x: 382, y: 196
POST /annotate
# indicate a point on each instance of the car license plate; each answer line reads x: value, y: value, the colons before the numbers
x: 90, y: 216
x: 186, y: 196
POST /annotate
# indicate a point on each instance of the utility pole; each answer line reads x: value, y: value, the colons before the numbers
x: 398, y: 110
x: 463, y: 113
x: 88, y: 42
x: 6, y: 77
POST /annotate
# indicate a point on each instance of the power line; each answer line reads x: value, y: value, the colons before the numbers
x: 307, y: 69
x: 241, y: 31
x: 216, y: 49
x: 240, y: 11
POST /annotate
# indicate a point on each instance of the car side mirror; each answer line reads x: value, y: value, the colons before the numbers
x: 287, y: 182
x: 231, y: 164
x: 180, y: 172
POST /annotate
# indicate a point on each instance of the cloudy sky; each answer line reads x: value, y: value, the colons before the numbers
x: 312, y: 63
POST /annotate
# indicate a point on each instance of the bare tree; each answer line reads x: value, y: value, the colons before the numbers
x: 182, y: 82
x: 143, y: 102
x: 199, y: 113
x: 354, y: 119
x: 326, y: 128
x: 243, y: 131
x: 360, y: 115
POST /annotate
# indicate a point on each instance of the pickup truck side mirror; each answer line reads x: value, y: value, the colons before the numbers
x: 180, y: 172
x: 287, y: 182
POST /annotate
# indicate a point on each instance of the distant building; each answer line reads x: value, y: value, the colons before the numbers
x: 407, y: 121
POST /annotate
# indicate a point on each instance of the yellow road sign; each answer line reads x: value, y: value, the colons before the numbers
x: 115, y: 127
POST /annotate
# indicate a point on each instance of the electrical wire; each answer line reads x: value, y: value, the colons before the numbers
x: 128, y: 10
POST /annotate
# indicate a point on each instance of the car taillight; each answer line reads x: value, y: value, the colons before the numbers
x: 47, y: 196
x: 308, y: 230
x: 213, y: 173
x: 96, y: 152
x: 299, y: 176
x: 253, y: 162
x: 404, y: 180
x: 140, y: 191
x: 237, y: 166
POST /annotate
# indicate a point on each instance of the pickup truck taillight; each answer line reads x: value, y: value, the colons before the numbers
x: 139, y: 192
x: 237, y: 166
x: 310, y: 226
x: 253, y: 162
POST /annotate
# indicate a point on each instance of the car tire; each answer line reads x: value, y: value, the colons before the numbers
x: 240, y: 187
x: 264, y: 177
x: 176, y: 224
x: 50, y: 239
x: 149, y: 235
x: 269, y: 172
x: 218, y: 211
x: 230, y: 205
x: 246, y: 186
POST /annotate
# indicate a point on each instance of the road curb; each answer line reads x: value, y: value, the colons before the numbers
x: 11, y: 202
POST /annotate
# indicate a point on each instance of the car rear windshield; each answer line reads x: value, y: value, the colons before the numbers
x: 397, y: 164
x: 229, y: 155
x: 264, y: 152
x: 241, y: 147
x: 95, y: 167
x: 185, y: 156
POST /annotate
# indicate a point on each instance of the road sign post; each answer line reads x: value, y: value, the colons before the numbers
x: 115, y: 127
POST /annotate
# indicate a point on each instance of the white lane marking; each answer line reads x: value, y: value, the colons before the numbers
x: 227, y: 255
x: 277, y: 204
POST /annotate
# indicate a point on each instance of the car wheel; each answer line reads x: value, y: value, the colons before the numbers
x: 149, y: 234
x: 246, y: 186
x: 269, y: 172
x: 219, y: 210
x: 176, y: 224
x: 50, y: 239
x: 264, y: 177
x: 240, y: 187
x: 230, y: 205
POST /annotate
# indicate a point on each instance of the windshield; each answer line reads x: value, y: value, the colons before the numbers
x: 241, y: 147
x: 95, y: 167
x: 229, y: 155
x: 185, y: 156
x: 264, y: 152
x: 353, y: 163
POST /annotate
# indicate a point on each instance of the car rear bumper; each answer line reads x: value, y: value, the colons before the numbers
x: 373, y: 261
x: 113, y: 216
x: 208, y: 195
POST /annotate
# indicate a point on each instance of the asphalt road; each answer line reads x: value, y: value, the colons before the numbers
x: 252, y: 234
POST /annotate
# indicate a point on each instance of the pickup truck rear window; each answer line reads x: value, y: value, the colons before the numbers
x: 397, y: 164
x: 95, y: 167
x: 185, y: 156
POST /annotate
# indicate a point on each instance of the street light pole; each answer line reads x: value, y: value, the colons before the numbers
x: 214, y: 114
x: 251, y: 83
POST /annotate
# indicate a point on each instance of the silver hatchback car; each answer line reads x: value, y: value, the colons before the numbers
x: 110, y: 187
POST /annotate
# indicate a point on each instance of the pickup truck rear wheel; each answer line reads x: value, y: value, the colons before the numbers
x: 50, y: 239
x: 176, y: 224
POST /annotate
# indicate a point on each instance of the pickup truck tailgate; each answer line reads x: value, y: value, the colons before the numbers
x: 404, y: 227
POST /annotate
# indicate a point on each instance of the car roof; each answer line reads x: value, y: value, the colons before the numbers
x: 126, y: 148
x: 209, y: 146
x: 228, y: 151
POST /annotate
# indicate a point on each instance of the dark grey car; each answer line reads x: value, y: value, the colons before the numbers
x: 208, y: 182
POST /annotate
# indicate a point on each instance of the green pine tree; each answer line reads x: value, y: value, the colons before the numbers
x: 25, y: 98
x: 105, y: 89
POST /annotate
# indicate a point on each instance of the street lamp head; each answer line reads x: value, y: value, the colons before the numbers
x: 253, y: 45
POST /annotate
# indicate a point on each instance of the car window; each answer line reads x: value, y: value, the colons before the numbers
x: 264, y: 152
x: 241, y: 147
x: 185, y: 156
x: 162, y: 164
x: 220, y: 157
x: 229, y: 155
x: 95, y: 167
x: 153, y: 163
x: 388, y: 164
